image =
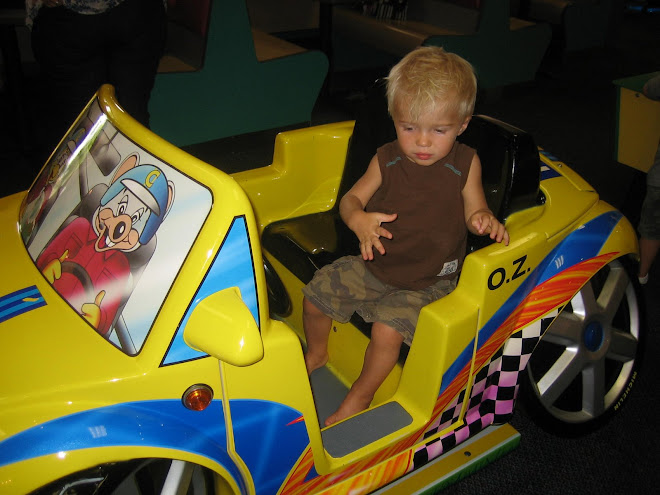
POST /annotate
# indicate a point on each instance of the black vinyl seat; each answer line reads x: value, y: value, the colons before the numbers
x: 510, y: 175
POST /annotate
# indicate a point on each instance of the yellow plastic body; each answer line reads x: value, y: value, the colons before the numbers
x: 447, y: 327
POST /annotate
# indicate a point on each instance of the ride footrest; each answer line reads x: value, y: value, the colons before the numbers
x: 348, y: 436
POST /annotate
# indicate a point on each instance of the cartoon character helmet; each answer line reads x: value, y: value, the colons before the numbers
x: 149, y: 184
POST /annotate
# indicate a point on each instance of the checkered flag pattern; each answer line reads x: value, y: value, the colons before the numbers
x: 492, y: 398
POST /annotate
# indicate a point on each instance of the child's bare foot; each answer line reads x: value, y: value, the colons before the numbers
x: 314, y: 362
x: 351, y: 405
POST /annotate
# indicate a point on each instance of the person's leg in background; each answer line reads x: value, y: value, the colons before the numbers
x: 649, y: 221
x: 68, y: 48
x: 137, y: 31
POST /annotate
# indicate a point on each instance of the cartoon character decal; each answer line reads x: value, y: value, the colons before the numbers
x: 91, y: 221
x: 87, y: 261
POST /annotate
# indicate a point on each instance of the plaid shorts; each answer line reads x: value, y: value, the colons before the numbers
x: 347, y: 286
x: 649, y: 222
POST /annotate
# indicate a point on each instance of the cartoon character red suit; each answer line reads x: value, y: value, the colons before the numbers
x: 107, y: 272
x: 87, y: 261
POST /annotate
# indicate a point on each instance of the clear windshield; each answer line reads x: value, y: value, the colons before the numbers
x: 109, y: 226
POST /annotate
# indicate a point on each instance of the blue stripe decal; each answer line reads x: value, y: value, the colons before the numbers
x: 269, y: 438
x: 582, y: 244
x: 159, y: 423
x: 232, y: 267
x: 20, y: 302
x: 452, y: 372
x: 548, y: 173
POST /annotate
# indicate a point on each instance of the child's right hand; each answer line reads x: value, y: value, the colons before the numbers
x: 368, y: 229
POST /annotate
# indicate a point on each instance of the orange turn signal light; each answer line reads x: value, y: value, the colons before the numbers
x: 197, y: 397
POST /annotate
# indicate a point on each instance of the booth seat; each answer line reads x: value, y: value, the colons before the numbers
x: 577, y: 24
x: 503, y: 49
x: 220, y: 77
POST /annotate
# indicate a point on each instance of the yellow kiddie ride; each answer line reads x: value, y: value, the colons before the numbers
x: 150, y: 319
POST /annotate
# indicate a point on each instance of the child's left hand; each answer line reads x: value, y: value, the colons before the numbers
x: 484, y: 222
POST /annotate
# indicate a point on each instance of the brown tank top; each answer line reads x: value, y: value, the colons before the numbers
x: 429, y: 235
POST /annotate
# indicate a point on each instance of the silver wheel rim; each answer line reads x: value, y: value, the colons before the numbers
x: 179, y: 478
x: 586, y: 358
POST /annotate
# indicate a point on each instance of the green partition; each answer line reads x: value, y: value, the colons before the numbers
x: 499, y: 54
x: 504, y: 50
x: 233, y: 93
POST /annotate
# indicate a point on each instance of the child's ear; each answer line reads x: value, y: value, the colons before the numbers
x: 464, y: 125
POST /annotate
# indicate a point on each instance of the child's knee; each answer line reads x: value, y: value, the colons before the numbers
x: 310, y: 309
x: 386, y: 335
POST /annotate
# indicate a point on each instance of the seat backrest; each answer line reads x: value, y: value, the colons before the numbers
x: 510, y: 164
x: 509, y: 157
x: 373, y: 128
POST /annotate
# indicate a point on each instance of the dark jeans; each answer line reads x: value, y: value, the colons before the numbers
x: 78, y: 53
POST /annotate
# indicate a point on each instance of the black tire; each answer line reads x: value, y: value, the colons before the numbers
x: 586, y: 364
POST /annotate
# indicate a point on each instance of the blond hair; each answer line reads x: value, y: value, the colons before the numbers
x: 429, y: 78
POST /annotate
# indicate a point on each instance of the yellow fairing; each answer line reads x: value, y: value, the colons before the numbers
x: 66, y: 390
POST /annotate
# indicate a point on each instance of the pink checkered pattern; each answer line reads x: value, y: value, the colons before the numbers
x: 492, y: 398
